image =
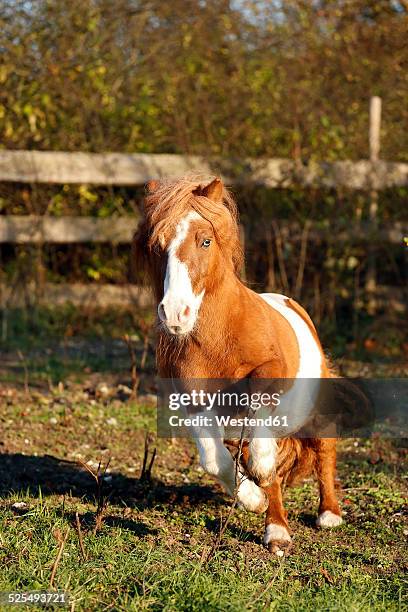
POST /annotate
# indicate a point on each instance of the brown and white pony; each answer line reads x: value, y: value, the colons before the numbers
x: 212, y: 326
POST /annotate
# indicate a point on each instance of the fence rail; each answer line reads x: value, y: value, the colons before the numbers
x: 78, y: 294
x: 65, y: 230
x: 137, y: 168
x: 34, y: 229
x: 125, y: 296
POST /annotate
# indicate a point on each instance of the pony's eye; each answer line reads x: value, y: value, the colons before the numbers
x: 206, y: 243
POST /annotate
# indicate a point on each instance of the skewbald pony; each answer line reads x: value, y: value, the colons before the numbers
x: 168, y: 201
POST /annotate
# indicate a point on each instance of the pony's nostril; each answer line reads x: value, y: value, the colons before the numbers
x: 161, y: 312
x: 184, y: 313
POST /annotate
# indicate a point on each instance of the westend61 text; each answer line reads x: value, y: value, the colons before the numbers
x: 201, y: 420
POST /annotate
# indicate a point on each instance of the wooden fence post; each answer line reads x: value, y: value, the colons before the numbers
x: 374, y: 144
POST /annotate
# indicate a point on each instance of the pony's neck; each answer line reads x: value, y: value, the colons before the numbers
x: 218, y: 320
x: 221, y: 305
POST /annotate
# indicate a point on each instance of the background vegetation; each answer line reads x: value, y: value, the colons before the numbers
x: 277, y: 79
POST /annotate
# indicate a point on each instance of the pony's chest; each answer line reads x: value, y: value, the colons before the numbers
x: 223, y: 361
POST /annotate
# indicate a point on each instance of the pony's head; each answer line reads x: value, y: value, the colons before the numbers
x: 189, y: 241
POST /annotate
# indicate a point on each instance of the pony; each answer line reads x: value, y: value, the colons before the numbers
x: 211, y: 325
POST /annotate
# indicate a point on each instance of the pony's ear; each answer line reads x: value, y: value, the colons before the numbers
x: 151, y: 186
x: 214, y: 190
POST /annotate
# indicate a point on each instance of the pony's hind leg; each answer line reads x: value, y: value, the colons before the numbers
x: 329, y: 510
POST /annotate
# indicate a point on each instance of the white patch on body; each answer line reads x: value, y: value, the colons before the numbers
x: 274, y: 532
x: 310, y: 357
x: 297, y: 404
x: 328, y: 519
x: 178, y: 291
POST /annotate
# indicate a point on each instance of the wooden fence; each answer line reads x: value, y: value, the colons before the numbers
x: 136, y: 169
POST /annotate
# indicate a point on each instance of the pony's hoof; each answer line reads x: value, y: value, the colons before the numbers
x: 328, y: 519
x: 277, y: 540
x: 279, y: 548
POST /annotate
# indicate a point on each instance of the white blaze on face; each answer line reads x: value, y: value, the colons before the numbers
x: 179, y: 306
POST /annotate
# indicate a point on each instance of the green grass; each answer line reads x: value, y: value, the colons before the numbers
x: 148, y: 553
x: 51, y: 344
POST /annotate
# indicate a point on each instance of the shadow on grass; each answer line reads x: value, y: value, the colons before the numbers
x: 307, y: 519
x: 48, y: 475
x: 214, y: 525
x: 137, y: 527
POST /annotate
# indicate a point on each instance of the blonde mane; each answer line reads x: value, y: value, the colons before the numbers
x: 171, y: 200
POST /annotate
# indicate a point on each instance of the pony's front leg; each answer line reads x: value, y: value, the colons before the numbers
x: 263, y: 447
x: 276, y: 536
x: 216, y: 460
x: 263, y: 451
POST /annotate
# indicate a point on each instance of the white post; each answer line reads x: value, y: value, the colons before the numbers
x: 375, y: 125
x: 374, y: 144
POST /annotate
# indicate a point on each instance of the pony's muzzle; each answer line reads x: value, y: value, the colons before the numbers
x: 177, y: 319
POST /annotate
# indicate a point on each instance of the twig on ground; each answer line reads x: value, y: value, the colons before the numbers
x: 133, y: 365
x: 101, y: 500
x: 79, y: 532
x: 223, y: 527
x: 62, y: 541
x: 146, y: 473
x: 269, y: 584
x: 360, y: 488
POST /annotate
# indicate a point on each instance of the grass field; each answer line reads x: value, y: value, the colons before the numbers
x: 150, y: 546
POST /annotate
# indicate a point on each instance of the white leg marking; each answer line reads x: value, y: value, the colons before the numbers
x: 328, y: 519
x: 274, y: 532
x: 178, y: 291
x: 251, y: 496
x: 217, y: 461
